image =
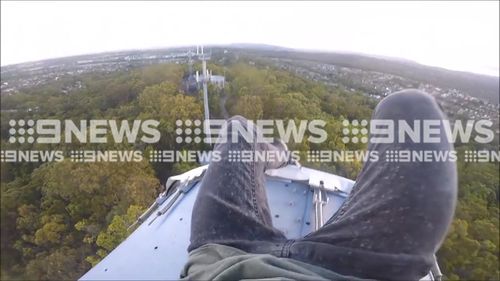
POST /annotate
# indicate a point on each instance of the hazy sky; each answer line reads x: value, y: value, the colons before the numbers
x: 455, y: 35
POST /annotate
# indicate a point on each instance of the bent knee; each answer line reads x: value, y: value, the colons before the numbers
x: 237, y: 118
x: 409, y: 102
x: 408, y: 97
x: 237, y: 121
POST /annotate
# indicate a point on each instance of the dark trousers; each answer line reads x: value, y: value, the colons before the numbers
x: 389, y: 227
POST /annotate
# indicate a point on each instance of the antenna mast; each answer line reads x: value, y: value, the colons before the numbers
x: 206, y: 78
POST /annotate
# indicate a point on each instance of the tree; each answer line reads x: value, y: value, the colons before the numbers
x: 249, y: 107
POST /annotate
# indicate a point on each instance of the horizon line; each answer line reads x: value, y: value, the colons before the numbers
x: 318, y: 50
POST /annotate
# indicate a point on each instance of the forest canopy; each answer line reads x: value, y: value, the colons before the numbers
x: 58, y: 219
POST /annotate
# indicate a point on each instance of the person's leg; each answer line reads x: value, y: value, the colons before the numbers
x: 231, y: 207
x: 397, y: 214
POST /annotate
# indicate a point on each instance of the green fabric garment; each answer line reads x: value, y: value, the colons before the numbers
x: 219, y: 262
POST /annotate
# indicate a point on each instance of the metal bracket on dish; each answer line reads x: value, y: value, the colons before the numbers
x: 436, y: 271
x: 182, y: 180
x: 182, y: 189
x: 161, y: 198
x: 320, y: 199
x: 195, y: 173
